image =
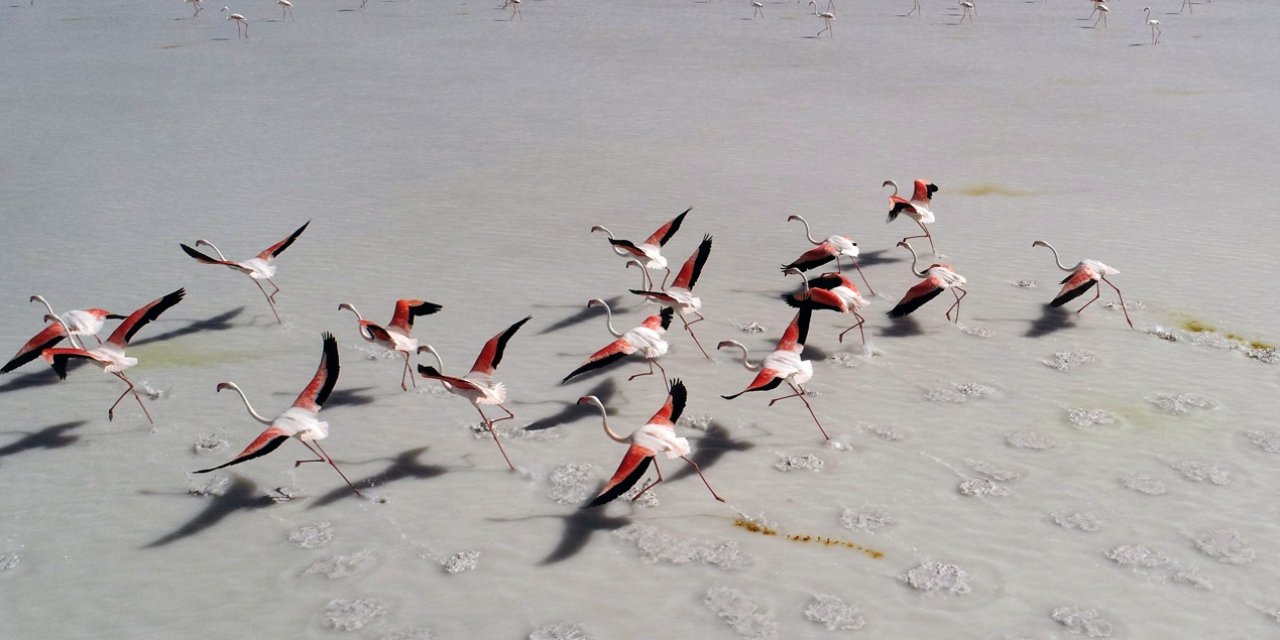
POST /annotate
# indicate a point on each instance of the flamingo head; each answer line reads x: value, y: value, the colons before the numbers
x: 1039, y: 243
x: 633, y: 262
x: 890, y: 183
x: 905, y: 245
x: 206, y: 243
x: 49, y: 317
x: 588, y: 399
x: 596, y: 302
x: 793, y: 217
x: 345, y: 306
x: 225, y: 385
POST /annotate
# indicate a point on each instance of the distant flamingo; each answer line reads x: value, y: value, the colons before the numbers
x: 827, y: 17
x: 680, y: 293
x: 80, y: 322
x: 110, y: 355
x: 835, y: 292
x: 915, y: 8
x: 286, y: 9
x: 758, y: 7
x: 239, y: 21
x: 1186, y: 4
x: 645, y: 339
x: 831, y: 248
x: 398, y: 334
x: 515, y: 9
x: 1102, y: 11
x: 259, y: 267
x: 198, y: 4
x: 782, y: 365
x: 969, y: 11
x: 478, y: 385
x: 917, y: 208
x: 1155, y: 26
x: 648, y: 252
x: 1084, y: 275
x: 299, y: 421
x: 658, y: 435
x: 937, y: 278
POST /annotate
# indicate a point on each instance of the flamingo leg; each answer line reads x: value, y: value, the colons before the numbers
x: 1097, y: 292
x: 509, y: 416
x: 664, y: 277
x: 1122, y: 305
x: 858, y: 326
x: 651, y: 484
x: 799, y: 393
x: 494, y: 433
x: 407, y: 374
x: 647, y: 373
x: 864, y: 278
x: 327, y: 458
x: 269, y: 301
x: 689, y: 328
x: 112, y: 410
x: 704, y: 478
x: 959, y: 296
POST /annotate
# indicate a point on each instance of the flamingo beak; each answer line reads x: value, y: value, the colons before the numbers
x: 223, y: 385
x: 115, y: 316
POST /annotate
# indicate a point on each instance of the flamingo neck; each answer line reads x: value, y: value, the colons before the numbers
x: 47, y: 306
x: 1055, y: 256
x: 433, y: 352
x: 206, y: 242
x: 364, y: 333
x: 890, y: 183
x: 804, y: 281
x: 257, y: 416
x: 604, y: 418
x: 608, y: 315
x: 610, y: 234
x: 807, y: 233
x: 751, y: 366
x: 920, y: 274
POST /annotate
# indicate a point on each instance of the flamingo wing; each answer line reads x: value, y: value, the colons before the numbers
x: 628, y: 246
x: 317, y: 392
x: 140, y: 318
x: 379, y: 334
x: 265, y: 443
x: 629, y: 472
x: 797, y: 332
x: 432, y: 373
x: 674, y: 406
x: 692, y: 268
x: 664, y: 233
x: 59, y: 357
x: 491, y: 355
x: 916, y: 296
x: 924, y: 191
x: 279, y: 247
x: 1073, y: 286
x: 815, y: 257
x: 407, y: 310
x: 656, y: 295
x: 615, y: 351
x: 816, y: 299
x: 830, y: 280
x: 207, y: 259
x: 899, y: 206
x: 47, y: 338
x: 765, y: 380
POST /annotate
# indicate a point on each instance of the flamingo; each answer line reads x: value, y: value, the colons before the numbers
x: 198, y: 4
x: 645, y: 339
x: 782, y: 365
x: 827, y: 17
x: 110, y: 355
x: 1186, y: 4
x: 680, y: 294
x: 758, y: 7
x: 286, y: 9
x: 301, y: 420
x: 823, y: 252
x: 937, y: 277
x: 398, y: 334
x: 1081, y: 277
x: 648, y: 252
x: 969, y: 11
x: 1102, y: 10
x: 917, y: 208
x: 915, y: 8
x: 478, y: 385
x: 658, y: 435
x: 239, y: 21
x: 80, y: 322
x: 831, y: 291
x: 51, y: 335
x: 259, y: 267
x: 1155, y: 26
x: 515, y: 10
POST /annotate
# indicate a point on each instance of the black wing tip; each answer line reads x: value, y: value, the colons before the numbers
x: 427, y: 371
x: 667, y: 313
x: 1072, y: 294
x: 791, y: 301
x: 806, y: 312
x: 679, y: 395
x: 622, y: 487
x: 425, y: 309
x: 59, y: 365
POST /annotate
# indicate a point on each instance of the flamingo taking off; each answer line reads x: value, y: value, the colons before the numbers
x: 51, y: 335
x: 917, y: 208
x: 645, y: 339
x: 648, y: 252
x: 658, y: 435
x: 299, y: 421
x: 478, y: 385
x: 1155, y: 26
x: 110, y: 355
x: 198, y: 4
x: 782, y: 365
x: 286, y: 9
x: 240, y: 21
x: 937, y: 277
x: 969, y: 11
x: 835, y: 292
x: 80, y: 322
x: 758, y: 7
x: 259, y: 267
x: 825, y: 251
x: 1080, y: 278
x: 680, y: 294
x: 398, y: 334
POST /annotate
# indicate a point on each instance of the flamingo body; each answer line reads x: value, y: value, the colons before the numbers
x: 645, y: 339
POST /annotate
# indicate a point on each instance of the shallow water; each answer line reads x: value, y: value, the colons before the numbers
x: 1042, y: 465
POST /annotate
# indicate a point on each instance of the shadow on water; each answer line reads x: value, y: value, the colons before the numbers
x: 340, y: 397
x: 41, y: 375
x: 904, y: 327
x: 572, y: 411
x: 242, y: 495
x: 1051, y: 319
x: 579, y: 526
x: 220, y: 322
x: 585, y: 313
x: 403, y: 466
x: 711, y: 448
x: 51, y: 437
x: 879, y: 256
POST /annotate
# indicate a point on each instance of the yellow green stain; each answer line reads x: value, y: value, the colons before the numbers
x: 763, y: 530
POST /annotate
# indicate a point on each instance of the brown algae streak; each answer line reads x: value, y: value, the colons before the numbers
x: 761, y: 529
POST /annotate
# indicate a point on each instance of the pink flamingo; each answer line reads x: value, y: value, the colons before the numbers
x: 398, y: 334
x: 835, y: 292
x: 782, y: 365
x: 239, y: 19
x: 937, y: 277
x: 645, y: 339
x: 917, y: 208
x: 1081, y: 278
x: 259, y: 267
x: 825, y: 251
x: 649, y: 252
x: 680, y: 294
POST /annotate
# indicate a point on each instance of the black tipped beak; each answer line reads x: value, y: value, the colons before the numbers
x: 115, y: 316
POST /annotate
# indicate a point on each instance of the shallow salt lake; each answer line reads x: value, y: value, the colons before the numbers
x: 1021, y: 474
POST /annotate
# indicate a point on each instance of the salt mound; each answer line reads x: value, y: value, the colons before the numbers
x: 340, y: 566
x: 1065, y: 361
x: 788, y: 462
x: 352, y: 615
x: 1029, y: 440
x: 461, y: 561
x: 699, y: 422
x: 741, y: 613
x: 1269, y: 442
x: 9, y: 562
x: 991, y: 471
x: 959, y: 393
x: 1138, y: 556
x: 1197, y: 471
x: 1086, y: 418
x: 657, y: 545
x: 571, y: 483
x: 561, y: 631
x: 885, y: 433
x: 1083, y: 521
x: 751, y: 327
x: 209, y: 444
x: 1180, y: 404
x: 312, y: 536
x: 1143, y: 483
x: 982, y: 487
x: 1225, y: 546
x: 407, y: 634
x: 868, y: 517
x: 936, y: 576
x: 1084, y: 622
x: 834, y: 613
x: 216, y: 486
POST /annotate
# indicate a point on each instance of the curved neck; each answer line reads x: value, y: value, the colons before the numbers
x: 751, y: 366
x: 608, y: 314
x: 610, y: 234
x: 604, y: 417
x: 432, y: 350
x: 257, y: 416
x: 364, y: 333
x: 804, y: 281
x: 1055, y: 256
x: 890, y: 183
x: 206, y: 242
x: 807, y: 233
x: 913, y: 261
x: 47, y: 306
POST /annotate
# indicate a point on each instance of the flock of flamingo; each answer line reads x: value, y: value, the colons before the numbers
x: 785, y: 365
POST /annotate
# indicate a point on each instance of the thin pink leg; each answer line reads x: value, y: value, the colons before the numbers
x: 864, y: 278
x: 858, y: 326
x: 704, y: 478
x: 269, y: 301
x: 1097, y: 293
x: 329, y: 459
x: 959, y: 296
x: 1122, y: 305
x: 111, y: 411
x: 651, y: 484
x: 494, y: 433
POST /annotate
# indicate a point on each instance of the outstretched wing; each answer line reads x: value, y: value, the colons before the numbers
x: 900, y: 205
x: 629, y: 472
x: 407, y: 310
x: 692, y: 268
x: 765, y: 380
x: 1072, y: 286
x: 664, y: 233
x: 265, y: 443
x: 815, y: 299
x: 140, y: 318
x: 814, y: 257
x: 49, y: 336
x: 797, y: 332
x: 317, y: 392
x: 615, y: 351
x: 916, y: 296
x: 208, y: 259
x: 674, y: 406
x: 279, y: 247
x: 59, y: 357
x: 431, y: 373
x: 491, y: 355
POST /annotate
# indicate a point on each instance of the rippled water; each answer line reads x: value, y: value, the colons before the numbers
x: 1026, y: 474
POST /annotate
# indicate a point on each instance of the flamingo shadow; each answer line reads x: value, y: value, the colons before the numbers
x: 572, y: 411
x: 242, y: 495
x: 404, y: 465
x: 342, y: 398
x: 583, y: 314
x: 1051, y: 319
x: 879, y: 256
x: 904, y: 327
x: 579, y: 526
x: 815, y: 353
x: 39, y: 378
x: 220, y: 322
x: 711, y: 448
x: 51, y: 437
